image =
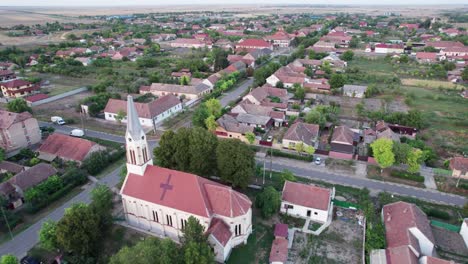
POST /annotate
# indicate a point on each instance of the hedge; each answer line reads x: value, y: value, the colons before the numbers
x: 279, y: 153
x: 407, y: 176
x: 437, y: 214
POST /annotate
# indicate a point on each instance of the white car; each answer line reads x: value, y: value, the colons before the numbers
x: 77, y: 133
x: 270, y: 139
x: 318, y: 161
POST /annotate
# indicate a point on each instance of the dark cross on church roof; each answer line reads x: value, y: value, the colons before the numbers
x: 165, y: 186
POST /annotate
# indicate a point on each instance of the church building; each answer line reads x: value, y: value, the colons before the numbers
x: 160, y: 200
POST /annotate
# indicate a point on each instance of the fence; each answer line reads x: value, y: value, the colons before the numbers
x: 446, y: 226
x: 266, y: 143
x: 59, y: 96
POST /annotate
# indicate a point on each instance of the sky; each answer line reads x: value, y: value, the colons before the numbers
x: 219, y: 2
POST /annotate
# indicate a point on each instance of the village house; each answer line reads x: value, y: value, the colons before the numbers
x: 190, y: 92
x: 229, y: 127
x: 389, y: 48
x: 159, y: 200
x: 251, y: 44
x: 338, y: 38
x: 426, y: 57
x: 301, y: 133
x: 459, y: 167
x: 280, y: 39
x: 355, y: 91
x: 256, y: 121
x: 10, y: 167
x: 268, y: 96
x: 150, y: 114
x: 444, y: 44
x: 18, y: 130
x: 342, y: 142
x: 13, y: 189
x: 6, y: 75
x: 323, y: 47
x: 260, y: 110
x: 67, y: 148
x: 307, y: 201
x: 18, y: 88
x: 189, y: 43
x: 288, y: 75
x: 408, y: 234
x: 454, y: 52
x: 279, y: 251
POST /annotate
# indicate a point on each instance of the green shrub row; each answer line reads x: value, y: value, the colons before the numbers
x: 279, y: 153
x: 407, y: 176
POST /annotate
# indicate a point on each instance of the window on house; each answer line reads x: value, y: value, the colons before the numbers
x: 315, y: 213
x: 238, y: 230
x: 288, y: 206
x: 169, y: 220
x: 183, y: 223
x: 155, y: 216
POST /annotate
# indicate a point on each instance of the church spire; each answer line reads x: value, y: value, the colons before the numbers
x: 138, y: 153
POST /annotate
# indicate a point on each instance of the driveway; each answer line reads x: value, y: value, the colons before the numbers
x: 236, y: 93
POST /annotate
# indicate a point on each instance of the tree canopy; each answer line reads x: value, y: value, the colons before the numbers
x: 150, y: 250
x: 18, y: 105
x: 269, y: 201
x: 236, y: 163
x: 382, y: 150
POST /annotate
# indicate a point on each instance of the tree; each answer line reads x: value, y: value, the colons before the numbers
x: 279, y: 84
x: 309, y: 150
x: 199, y: 116
x: 269, y: 201
x: 299, y: 93
x: 250, y: 137
x: 101, y: 197
x: 354, y: 42
x: 236, y: 163
x: 184, y: 80
x: 163, y: 155
x: 202, y: 149
x: 382, y: 150
x: 347, y: 55
x: 414, y: 160
x: 48, y: 235
x: 8, y: 259
x: 315, y: 117
x: 210, y: 123
x: 78, y: 231
x: 287, y: 175
x: 299, y: 147
x: 121, y: 114
x: 195, y: 243
x: 401, y: 150
x: 150, y: 250
x: 18, y: 105
x: 337, y: 80
x: 214, y: 107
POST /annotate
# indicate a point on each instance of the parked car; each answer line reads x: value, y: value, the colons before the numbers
x: 57, y: 120
x: 317, y: 161
x: 270, y: 139
x: 77, y: 133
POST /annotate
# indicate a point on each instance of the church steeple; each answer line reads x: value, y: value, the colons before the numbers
x: 138, y: 153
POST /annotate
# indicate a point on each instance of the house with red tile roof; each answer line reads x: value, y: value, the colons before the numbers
x: 17, y: 88
x: 150, y: 114
x: 229, y: 127
x: 342, y: 140
x: 443, y: 44
x: 265, y: 94
x: 301, y: 133
x: 18, y: 130
x: 189, y: 43
x: 409, y: 26
x: 426, y: 57
x: 280, y: 39
x: 279, y: 251
x: 288, y: 75
x: 252, y: 44
x: 307, y: 201
x: 459, y: 167
x: 389, y: 48
x: 260, y: 110
x: 67, y: 148
x: 160, y: 200
x: 6, y: 75
x: 188, y: 91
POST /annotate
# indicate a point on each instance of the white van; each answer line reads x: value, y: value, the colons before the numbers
x: 57, y: 120
x: 77, y: 133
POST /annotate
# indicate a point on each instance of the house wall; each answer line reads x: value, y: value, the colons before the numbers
x: 301, y: 211
x: 147, y: 121
x: 20, y: 135
x: 221, y: 253
x: 188, y: 96
x: 139, y: 213
x: 251, y: 99
x: 460, y: 174
x: 228, y: 134
x: 342, y: 148
x: 287, y: 143
x: 464, y: 232
x: 426, y: 246
x: 381, y: 50
x: 272, y: 80
x: 353, y: 94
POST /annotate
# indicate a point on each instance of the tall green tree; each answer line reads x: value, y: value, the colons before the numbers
x: 150, y: 250
x: 211, y: 123
x: 414, y: 159
x: 181, y: 146
x: 8, y: 259
x: 48, y: 235
x: 202, y: 150
x: 184, y: 80
x: 236, y: 163
x: 214, y: 107
x: 382, y: 149
x: 200, y: 115
x: 163, y: 154
x: 18, y: 105
x: 195, y: 243
x: 268, y: 201
x: 299, y: 93
x: 401, y: 151
x: 347, y: 55
x: 337, y: 80
x: 250, y: 137
x: 101, y: 203
x: 79, y: 231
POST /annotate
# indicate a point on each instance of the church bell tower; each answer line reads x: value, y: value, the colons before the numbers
x: 138, y: 153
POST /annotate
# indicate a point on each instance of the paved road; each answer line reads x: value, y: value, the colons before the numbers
x: 24, y: 241
x: 65, y: 129
x: 398, y: 189
x: 236, y: 93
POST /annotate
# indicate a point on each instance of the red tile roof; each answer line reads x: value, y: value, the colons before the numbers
x: 33, y: 176
x: 220, y: 230
x: 398, y: 218
x: 67, y: 147
x: 36, y: 97
x: 281, y: 230
x: 189, y: 193
x: 303, y: 132
x: 253, y: 43
x: 144, y: 110
x: 306, y: 195
x: 342, y: 135
x: 426, y: 55
x: 6, y: 72
x: 16, y: 83
x: 432, y: 260
x: 400, y: 255
x: 459, y: 163
x: 279, y: 250
x: 7, y: 119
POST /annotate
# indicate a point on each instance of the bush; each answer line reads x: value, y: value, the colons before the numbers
x: 98, y: 161
x: 437, y: 214
x: 279, y: 153
x: 407, y: 176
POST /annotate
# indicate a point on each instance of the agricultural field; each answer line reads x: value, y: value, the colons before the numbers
x: 54, y: 84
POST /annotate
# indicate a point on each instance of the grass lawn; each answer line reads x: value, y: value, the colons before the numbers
x: 59, y: 84
x: 377, y: 66
x: 430, y: 84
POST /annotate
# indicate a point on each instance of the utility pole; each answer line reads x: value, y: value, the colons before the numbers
x: 6, y: 221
